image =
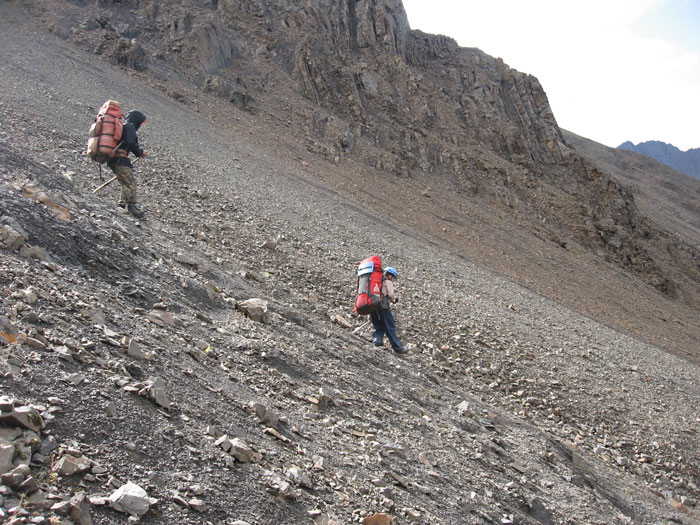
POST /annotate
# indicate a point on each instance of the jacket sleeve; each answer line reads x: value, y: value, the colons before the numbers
x: 131, y: 140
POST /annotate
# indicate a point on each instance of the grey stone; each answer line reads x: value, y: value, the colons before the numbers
x: 69, y: 465
x: 28, y: 486
x: 61, y: 508
x: 6, y: 220
x: 15, y: 477
x: 7, y: 404
x: 48, y: 445
x: 134, y: 350
x: 197, y: 504
x: 131, y: 499
x: 300, y: 478
x: 241, y: 451
x: 320, y: 463
x: 34, y: 252
x: 155, y: 390
x: 540, y: 512
x: 255, y: 309
x: 13, y: 239
x: 267, y: 416
x: 24, y: 416
x: 224, y: 443
x: 7, y: 456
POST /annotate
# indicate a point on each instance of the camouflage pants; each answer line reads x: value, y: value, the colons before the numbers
x: 125, y: 176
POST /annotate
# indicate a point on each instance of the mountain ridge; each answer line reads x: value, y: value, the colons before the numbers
x: 687, y: 162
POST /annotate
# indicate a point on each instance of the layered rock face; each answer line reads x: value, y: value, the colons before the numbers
x: 352, y: 79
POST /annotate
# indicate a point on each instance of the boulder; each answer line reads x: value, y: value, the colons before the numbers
x: 80, y: 509
x: 131, y: 499
x: 24, y: 416
x: 69, y: 465
x: 241, y: 451
x: 7, y: 455
x: 255, y: 309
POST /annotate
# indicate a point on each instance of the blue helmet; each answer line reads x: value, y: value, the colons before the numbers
x: 391, y: 270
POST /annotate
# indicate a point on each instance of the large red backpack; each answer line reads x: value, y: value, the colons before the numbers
x: 369, y: 286
x: 105, y: 133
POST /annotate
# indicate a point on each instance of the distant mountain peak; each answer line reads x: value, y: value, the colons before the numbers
x: 687, y: 162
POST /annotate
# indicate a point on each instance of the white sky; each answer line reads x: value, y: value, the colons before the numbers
x: 613, y: 70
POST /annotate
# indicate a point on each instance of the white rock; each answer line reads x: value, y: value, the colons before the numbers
x: 69, y: 465
x: 224, y: 442
x: 7, y: 454
x: 241, y: 451
x: 300, y: 478
x: 131, y: 499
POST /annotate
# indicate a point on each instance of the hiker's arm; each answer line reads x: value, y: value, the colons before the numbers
x: 131, y: 141
x: 133, y: 145
x: 390, y: 291
x: 137, y: 150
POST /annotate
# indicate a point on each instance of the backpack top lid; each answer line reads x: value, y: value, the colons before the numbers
x: 369, y: 265
x: 365, y: 268
x: 111, y: 107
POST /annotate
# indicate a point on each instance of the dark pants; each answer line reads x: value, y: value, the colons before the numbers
x: 383, y: 322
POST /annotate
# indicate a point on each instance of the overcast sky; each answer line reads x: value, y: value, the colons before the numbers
x: 613, y: 70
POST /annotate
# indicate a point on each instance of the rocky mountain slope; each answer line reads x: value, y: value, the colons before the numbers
x: 398, y: 101
x: 687, y: 162
x: 130, y: 365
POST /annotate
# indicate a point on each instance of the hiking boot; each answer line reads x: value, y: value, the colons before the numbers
x: 401, y: 351
x: 133, y: 210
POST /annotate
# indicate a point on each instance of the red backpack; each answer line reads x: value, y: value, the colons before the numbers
x: 105, y: 133
x: 369, y: 286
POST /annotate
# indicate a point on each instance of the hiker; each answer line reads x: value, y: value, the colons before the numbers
x: 383, y: 320
x: 121, y: 165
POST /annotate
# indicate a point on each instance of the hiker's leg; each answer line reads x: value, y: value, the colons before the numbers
x: 378, y: 335
x: 390, y: 327
x: 125, y: 176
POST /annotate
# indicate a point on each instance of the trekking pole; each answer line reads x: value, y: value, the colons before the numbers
x: 360, y: 327
x: 110, y: 181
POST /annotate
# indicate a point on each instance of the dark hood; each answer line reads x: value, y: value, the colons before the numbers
x: 136, y: 118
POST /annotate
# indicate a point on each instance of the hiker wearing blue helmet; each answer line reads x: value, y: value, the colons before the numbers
x: 383, y: 320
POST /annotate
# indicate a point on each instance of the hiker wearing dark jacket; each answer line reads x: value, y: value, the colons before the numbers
x: 121, y: 165
x: 383, y: 320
